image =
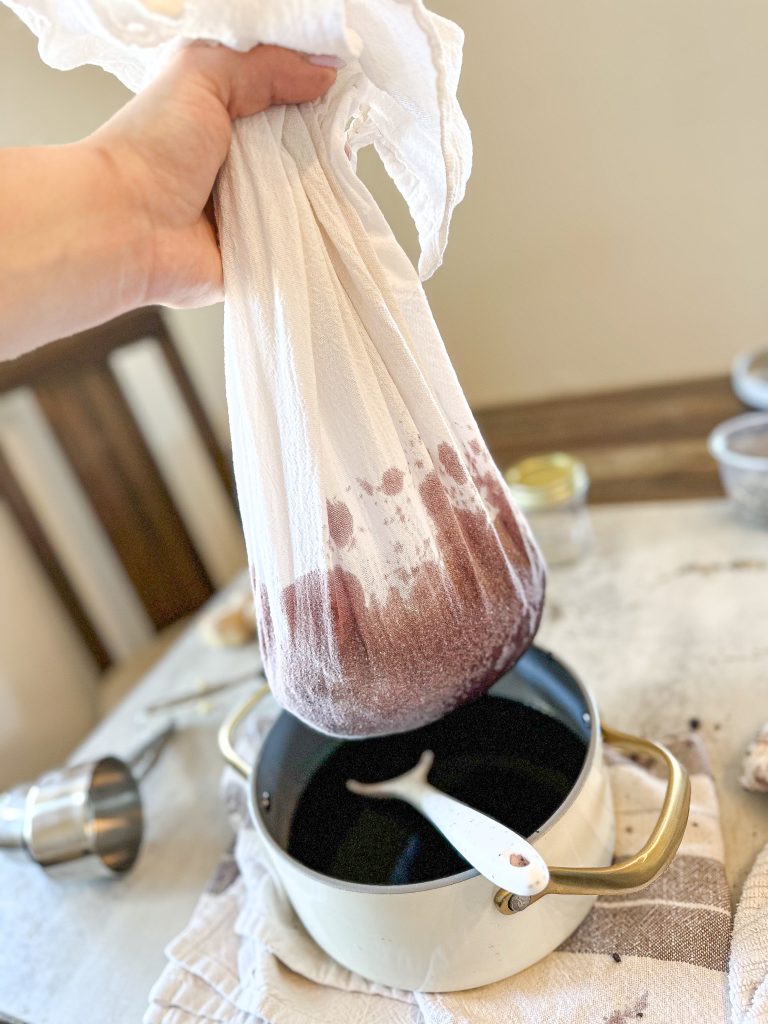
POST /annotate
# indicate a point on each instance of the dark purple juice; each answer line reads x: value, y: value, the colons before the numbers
x: 513, y: 763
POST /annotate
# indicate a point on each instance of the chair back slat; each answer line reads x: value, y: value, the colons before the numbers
x: 36, y: 536
x: 94, y: 427
x: 194, y: 405
x: 87, y: 411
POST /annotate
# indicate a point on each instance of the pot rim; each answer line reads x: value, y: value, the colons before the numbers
x: 462, y: 876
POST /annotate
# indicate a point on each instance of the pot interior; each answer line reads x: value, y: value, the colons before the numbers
x: 515, y: 754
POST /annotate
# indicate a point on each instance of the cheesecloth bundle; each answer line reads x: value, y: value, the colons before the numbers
x: 393, y: 578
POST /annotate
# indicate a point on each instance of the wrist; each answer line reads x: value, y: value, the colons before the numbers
x: 76, y: 245
x: 123, y: 228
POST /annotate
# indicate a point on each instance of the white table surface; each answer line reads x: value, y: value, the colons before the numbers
x: 667, y: 620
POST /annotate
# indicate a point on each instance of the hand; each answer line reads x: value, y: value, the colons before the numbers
x: 92, y: 229
x: 167, y: 144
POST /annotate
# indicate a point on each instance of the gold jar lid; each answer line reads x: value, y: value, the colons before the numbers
x: 542, y: 481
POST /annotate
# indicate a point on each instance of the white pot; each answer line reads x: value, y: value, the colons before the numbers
x: 459, y: 932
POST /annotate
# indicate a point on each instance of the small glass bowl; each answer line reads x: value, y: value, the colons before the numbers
x: 740, y: 447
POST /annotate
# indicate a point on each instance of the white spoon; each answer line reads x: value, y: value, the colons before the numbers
x: 497, y: 852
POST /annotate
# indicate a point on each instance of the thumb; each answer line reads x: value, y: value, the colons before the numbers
x: 247, y: 83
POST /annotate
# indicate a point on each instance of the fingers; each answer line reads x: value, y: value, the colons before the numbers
x: 290, y: 78
x: 247, y: 83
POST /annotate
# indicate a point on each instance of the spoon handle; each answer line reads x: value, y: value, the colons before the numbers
x: 494, y: 850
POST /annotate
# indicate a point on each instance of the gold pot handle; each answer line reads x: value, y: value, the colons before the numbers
x: 633, y: 873
x: 229, y: 727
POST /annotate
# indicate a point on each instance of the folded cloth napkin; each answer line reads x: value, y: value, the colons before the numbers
x: 660, y: 955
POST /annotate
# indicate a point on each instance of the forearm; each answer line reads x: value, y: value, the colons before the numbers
x: 74, y: 246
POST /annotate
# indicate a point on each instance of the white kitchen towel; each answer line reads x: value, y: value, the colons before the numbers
x: 393, y: 579
x: 659, y: 956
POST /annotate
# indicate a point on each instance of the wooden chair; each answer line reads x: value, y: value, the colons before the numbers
x: 88, y: 406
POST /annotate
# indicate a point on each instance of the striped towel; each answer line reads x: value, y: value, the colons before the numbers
x: 660, y: 956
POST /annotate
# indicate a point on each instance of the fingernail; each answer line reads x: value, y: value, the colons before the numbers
x: 324, y: 60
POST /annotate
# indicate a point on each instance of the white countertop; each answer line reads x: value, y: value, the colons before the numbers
x: 667, y: 620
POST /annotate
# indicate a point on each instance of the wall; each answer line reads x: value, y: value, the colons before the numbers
x: 47, y: 694
x: 615, y: 226
x: 615, y: 229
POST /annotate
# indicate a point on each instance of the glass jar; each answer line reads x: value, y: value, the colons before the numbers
x: 551, y: 491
